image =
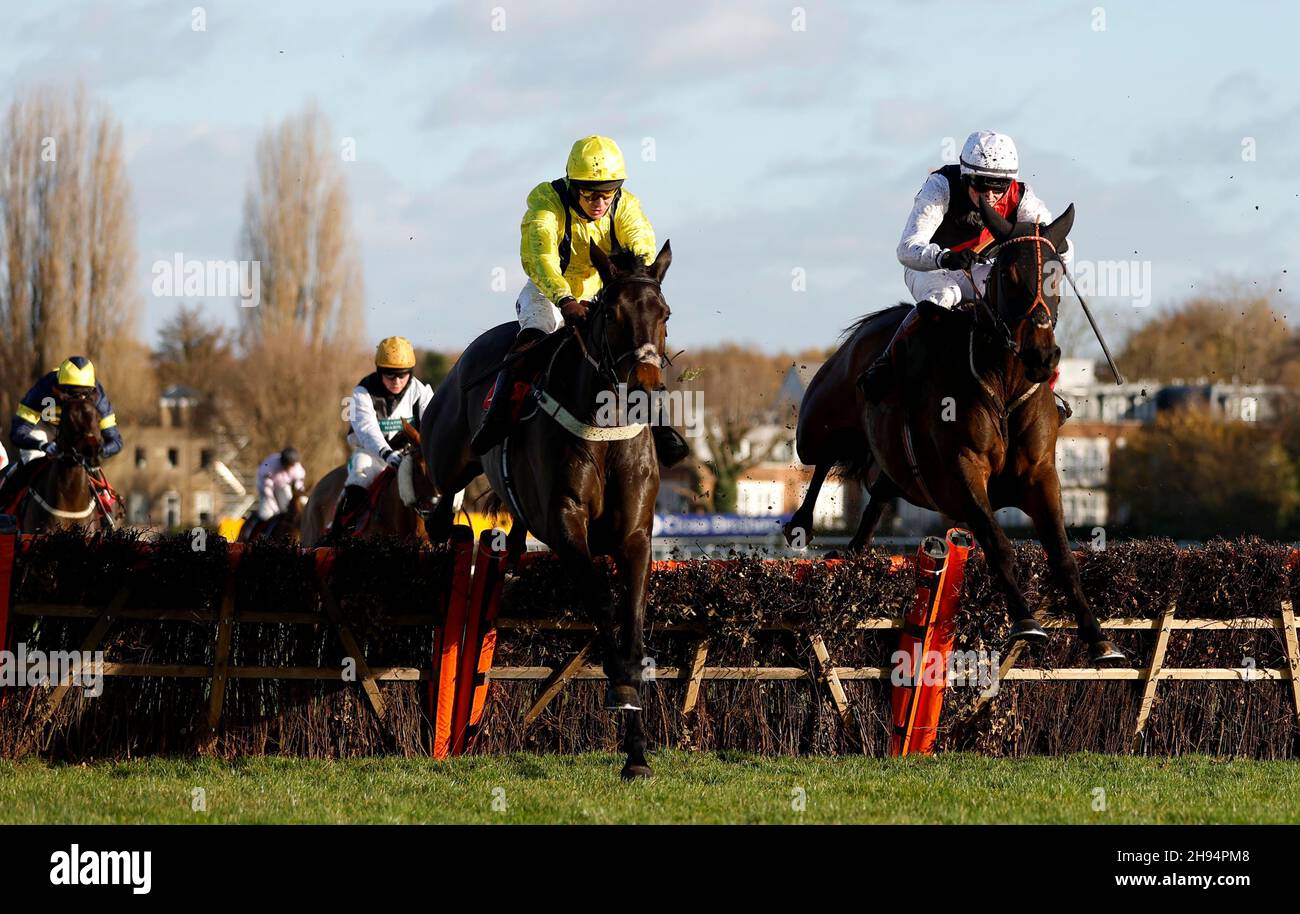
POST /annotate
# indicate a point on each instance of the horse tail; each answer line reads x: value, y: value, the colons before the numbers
x: 852, y: 329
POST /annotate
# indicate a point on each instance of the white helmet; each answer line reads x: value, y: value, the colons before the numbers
x: 989, y: 153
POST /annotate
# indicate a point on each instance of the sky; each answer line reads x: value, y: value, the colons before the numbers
x: 778, y: 146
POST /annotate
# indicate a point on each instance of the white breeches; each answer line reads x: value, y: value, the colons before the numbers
x: 536, y: 311
x: 276, y: 503
x: 363, y: 468
x: 946, y: 288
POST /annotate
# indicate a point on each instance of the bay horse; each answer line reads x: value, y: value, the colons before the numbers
x: 65, y: 493
x: 400, y: 503
x: 584, y: 487
x: 971, y: 426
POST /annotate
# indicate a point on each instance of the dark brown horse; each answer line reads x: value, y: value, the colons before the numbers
x: 400, y: 506
x: 63, y: 494
x: 972, y: 425
x: 583, y: 486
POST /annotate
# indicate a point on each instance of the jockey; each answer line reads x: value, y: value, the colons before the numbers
x: 279, y: 476
x: 380, y: 402
x: 35, y: 424
x: 944, y: 234
x: 564, y: 218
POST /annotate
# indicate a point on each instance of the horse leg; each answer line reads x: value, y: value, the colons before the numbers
x: 636, y: 571
x: 800, y: 525
x: 444, y: 511
x: 1042, y: 502
x: 574, y: 553
x: 998, y: 550
x: 878, y: 500
x: 516, y: 541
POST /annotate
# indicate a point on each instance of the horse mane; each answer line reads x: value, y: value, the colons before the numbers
x: 628, y: 263
x: 853, y: 328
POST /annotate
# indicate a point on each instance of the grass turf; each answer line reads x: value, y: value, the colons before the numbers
x: 688, y: 788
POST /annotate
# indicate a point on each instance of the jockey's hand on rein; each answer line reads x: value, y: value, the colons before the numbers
x: 393, y: 458
x: 574, y: 310
x: 51, y: 448
x: 957, y: 260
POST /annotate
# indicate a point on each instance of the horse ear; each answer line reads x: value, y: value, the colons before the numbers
x: 662, y: 262
x: 1060, y: 227
x: 412, y: 435
x: 600, y: 260
x: 999, y: 227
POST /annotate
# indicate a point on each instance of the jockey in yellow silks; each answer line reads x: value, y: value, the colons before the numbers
x: 564, y: 218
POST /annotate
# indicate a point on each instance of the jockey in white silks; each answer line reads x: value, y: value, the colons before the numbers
x: 279, y: 478
x: 945, y: 233
x: 379, y: 403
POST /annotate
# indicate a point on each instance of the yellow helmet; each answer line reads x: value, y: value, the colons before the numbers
x: 596, y: 162
x: 76, y: 371
x: 395, y: 352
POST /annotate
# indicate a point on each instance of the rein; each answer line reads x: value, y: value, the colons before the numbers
x: 1011, y: 341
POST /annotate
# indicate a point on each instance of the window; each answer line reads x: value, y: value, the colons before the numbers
x: 173, y: 456
x: 205, y: 459
x: 759, y: 498
x: 137, y: 508
x: 139, y: 458
x: 171, y: 510
x: 203, y: 508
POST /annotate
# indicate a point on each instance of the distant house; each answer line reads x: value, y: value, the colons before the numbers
x: 175, y: 471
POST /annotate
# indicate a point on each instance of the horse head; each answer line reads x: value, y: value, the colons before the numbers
x: 417, y: 489
x: 78, y: 433
x: 631, y: 317
x: 1024, y: 286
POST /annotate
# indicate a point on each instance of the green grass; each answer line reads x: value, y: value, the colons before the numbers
x: 688, y: 788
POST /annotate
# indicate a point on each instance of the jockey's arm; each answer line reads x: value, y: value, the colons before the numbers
x: 916, y: 251
x: 424, y: 395
x: 1033, y: 209
x: 23, y: 432
x: 107, y: 424
x: 365, y: 424
x: 539, y: 244
x: 634, y: 230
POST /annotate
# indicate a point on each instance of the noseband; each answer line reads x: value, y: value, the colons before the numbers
x: 1012, y: 341
x: 605, y: 362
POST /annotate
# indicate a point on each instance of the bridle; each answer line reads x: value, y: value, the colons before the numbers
x: 1013, y: 340
x: 1001, y: 332
x: 597, y: 341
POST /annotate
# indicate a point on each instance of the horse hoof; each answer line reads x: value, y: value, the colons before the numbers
x: 1101, y: 651
x: 636, y: 772
x: 622, y: 698
x: 1028, y: 630
x: 795, y: 526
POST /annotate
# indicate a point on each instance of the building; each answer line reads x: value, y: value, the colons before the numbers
x: 176, y: 472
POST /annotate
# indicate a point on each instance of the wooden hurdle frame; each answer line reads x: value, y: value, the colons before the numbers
x: 553, y: 680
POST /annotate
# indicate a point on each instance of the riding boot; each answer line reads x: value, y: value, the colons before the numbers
x: 345, y: 515
x: 1063, y: 412
x: 499, y: 415
x: 670, y: 447
x: 18, y: 476
x: 876, y: 382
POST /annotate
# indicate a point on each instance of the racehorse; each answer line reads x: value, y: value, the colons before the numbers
x: 282, y: 527
x: 71, y: 489
x: 400, y: 499
x: 584, y: 486
x: 972, y: 425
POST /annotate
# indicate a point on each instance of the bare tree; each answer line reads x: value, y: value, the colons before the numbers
x: 300, y: 346
x: 67, y: 265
